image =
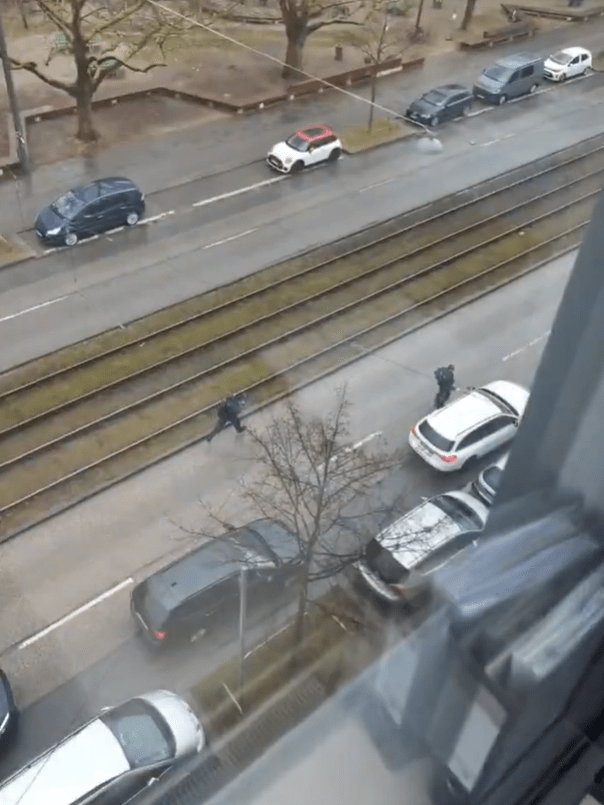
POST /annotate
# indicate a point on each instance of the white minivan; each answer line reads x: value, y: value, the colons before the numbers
x: 112, y: 757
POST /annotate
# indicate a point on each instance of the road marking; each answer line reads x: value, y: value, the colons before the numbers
x: 378, y: 184
x: 67, y: 618
x: 227, y: 240
x: 526, y: 346
x: 492, y: 142
x: 365, y: 440
x: 35, y: 307
x: 240, y: 191
x: 157, y: 217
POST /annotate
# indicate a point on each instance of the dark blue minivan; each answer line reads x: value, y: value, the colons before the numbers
x: 89, y: 210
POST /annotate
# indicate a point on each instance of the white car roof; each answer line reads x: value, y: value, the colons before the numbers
x: 85, y: 760
x: 473, y: 408
x: 425, y: 528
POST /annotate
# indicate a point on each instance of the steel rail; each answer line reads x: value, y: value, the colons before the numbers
x: 397, y: 285
x: 255, y: 386
x: 171, y: 359
x: 385, y: 238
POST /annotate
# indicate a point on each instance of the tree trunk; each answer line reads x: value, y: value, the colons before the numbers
x: 83, y: 94
x: 373, y: 94
x: 298, y: 633
x: 468, y: 13
x: 293, y: 55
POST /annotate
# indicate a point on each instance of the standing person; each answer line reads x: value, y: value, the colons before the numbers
x: 445, y: 377
x: 228, y: 414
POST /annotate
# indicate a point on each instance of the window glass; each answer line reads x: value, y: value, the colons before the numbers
x: 434, y: 437
x: 515, y: 76
x: 469, y: 440
x: 141, y: 732
x: 527, y: 71
x: 68, y: 205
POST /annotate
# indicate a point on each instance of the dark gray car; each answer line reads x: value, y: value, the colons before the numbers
x: 181, y: 601
x: 89, y: 210
x: 440, y: 104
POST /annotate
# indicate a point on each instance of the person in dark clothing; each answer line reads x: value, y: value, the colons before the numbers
x: 445, y: 377
x: 228, y: 414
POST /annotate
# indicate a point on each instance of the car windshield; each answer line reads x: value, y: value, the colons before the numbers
x: 434, y: 98
x: 434, y: 437
x: 496, y: 72
x: 561, y: 57
x: 503, y: 404
x: 297, y: 143
x: 460, y: 512
x: 383, y: 563
x: 141, y: 732
x: 492, y: 476
x: 67, y: 205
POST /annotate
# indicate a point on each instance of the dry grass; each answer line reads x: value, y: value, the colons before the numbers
x: 12, y: 251
x: 382, y: 131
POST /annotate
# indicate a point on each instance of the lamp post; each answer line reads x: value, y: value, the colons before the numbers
x: 12, y: 99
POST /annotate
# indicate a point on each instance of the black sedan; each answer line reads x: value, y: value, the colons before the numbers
x: 8, y: 710
x: 442, y: 103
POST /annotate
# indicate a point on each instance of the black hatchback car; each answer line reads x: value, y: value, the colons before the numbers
x: 440, y: 104
x: 183, y: 600
x: 8, y: 710
x: 89, y: 210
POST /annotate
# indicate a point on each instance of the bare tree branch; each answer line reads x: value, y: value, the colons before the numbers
x: 33, y: 68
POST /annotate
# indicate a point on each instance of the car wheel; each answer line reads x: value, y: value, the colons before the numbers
x: 534, y: 87
x: 466, y: 110
x: 132, y: 218
x: 296, y: 167
x: 334, y: 155
x: 71, y: 239
x: 435, y: 120
x: 585, y: 71
x: 502, y: 99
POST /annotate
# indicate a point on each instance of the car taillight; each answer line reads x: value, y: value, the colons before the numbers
x: 159, y: 635
x: 448, y: 459
x: 413, y: 431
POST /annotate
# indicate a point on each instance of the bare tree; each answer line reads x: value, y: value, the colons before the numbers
x: 91, y: 31
x: 377, y: 40
x: 302, y: 18
x: 310, y: 478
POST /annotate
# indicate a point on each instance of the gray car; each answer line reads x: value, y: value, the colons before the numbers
x: 440, y: 104
x: 510, y: 77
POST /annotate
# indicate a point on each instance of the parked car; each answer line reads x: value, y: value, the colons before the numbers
x: 305, y: 147
x: 112, y: 757
x: 9, y: 714
x: 440, y: 104
x: 396, y: 562
x: 510, y: 77
x: 181, y: 601
x: 89, y: 210
x: 567, y: 63
x: 470, y: 426
x: 486, y: 484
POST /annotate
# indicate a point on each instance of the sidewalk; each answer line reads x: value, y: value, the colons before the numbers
x: 221, y: 142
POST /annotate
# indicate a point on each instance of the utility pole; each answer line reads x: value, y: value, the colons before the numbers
x: 12, y: 99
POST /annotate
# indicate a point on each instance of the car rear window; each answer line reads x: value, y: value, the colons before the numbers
x: 458, y: 511
x: 141, y: 732
x: 153, y: 612
x: 381, y: 562
x: 434, y: 437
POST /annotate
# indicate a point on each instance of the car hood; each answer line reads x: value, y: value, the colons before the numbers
x: 554, y: 66
x: 423, y: 108
x: 182, y: 721
x: 48, y: 219
x: 488, y: 84
x: 285, y: 153
x: 512, y: 393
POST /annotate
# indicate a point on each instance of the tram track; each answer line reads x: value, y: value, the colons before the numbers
x: 80, y: 419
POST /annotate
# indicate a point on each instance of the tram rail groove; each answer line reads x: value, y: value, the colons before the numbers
x: 6, y: 393
x: 353, y: 309
x: 292, y: 306
x: 208, y: 372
